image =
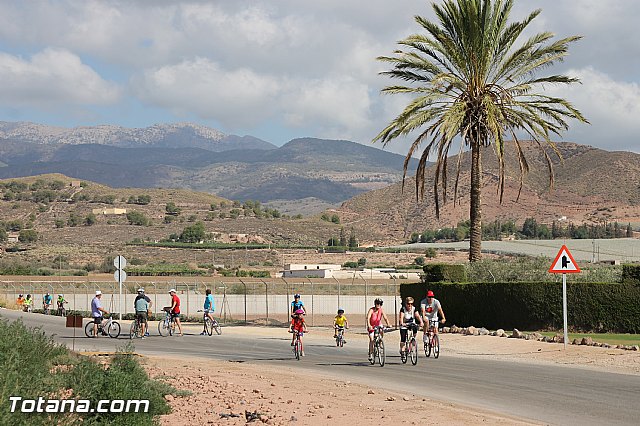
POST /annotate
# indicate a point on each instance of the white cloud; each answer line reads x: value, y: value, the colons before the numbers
x: 612, y: 107
x: 52, y: 77
x: 239, y: 97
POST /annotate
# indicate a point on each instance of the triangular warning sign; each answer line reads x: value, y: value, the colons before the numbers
x: 564, y: 263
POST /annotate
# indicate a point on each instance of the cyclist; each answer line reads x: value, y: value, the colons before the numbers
x: 298, y: 326
x: 430, y: 307
x: 142, y: 305
x: 60, y: 303
x: 175, y: 309
x: 209, y: 308
x: 28, y: 302
x: 20, y: 302
x: 297, y: 304
x: 96, y: 313
x: 340, y: 322
x: 375, y: 315
x: 46, y: 301
x: 407, y: 319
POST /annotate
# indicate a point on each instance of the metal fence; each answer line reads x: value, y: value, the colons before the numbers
x: 256, y: 301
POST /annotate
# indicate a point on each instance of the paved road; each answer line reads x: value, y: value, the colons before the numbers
x: 550, y: 394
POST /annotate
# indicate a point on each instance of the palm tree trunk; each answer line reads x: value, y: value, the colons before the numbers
x: 475, y: 209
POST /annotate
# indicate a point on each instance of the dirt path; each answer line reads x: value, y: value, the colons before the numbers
x: 283, y: 395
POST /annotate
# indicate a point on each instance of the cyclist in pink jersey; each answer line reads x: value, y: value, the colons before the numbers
x: 374, y: 318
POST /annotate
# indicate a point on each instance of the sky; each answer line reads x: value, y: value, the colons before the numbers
x: 278, y: 69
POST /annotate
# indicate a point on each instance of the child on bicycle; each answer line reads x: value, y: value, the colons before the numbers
x: 407, y: 319
x: 298, y: 326
x: 339, y: 322
x: 209, y: 308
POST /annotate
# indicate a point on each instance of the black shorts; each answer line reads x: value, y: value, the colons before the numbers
x: 141, y: 316
x: 97, y: 320
x: 175, y: 315
x: 404, y: 331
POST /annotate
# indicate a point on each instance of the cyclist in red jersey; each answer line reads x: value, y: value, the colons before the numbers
x: 175, y: 309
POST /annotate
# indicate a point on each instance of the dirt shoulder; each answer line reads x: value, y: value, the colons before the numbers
x: 222, y: 390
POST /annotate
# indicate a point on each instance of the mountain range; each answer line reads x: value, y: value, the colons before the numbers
x: 310, y: 173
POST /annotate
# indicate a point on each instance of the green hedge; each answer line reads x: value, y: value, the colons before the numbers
x: 592, y: 307
x: 631, y: 274
x: 444, y: 272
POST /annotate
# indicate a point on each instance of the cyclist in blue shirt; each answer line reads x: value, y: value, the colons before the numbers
x: 46, y: 301
x: 297, y: 304
x: 209, y: 307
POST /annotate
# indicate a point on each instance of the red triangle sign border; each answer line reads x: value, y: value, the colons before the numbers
x: 562, y: 250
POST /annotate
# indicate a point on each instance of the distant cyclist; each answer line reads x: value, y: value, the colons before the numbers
x: 297, y: 304
x: 430, y: 307
x: 340, y: 322
x: 407, y: 319
x: 175, y: 309
x: 375, y: 315
x: 60, y: 303
x: 209, y: 308
x: 20, y: 302
x: 28, y: 303
x: 142, y: 305
x: 47, y: 300
x: 96, y: 313
x: 298, y: 326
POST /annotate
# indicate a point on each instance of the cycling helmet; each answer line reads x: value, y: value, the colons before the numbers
x: 340, y: 311
x: 173, y: 290
x: 378, y: 301
x: 296, y: 296
x: 430, y: 294
x: 141, y: 290
x: 47, y: 293
x: 299, y: 311
x: 28, y: 295
x: 20, y: 295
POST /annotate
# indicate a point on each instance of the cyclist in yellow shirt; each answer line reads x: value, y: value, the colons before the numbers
x: 339, y: 322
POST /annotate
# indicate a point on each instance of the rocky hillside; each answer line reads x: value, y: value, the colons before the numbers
x: 591, y: 185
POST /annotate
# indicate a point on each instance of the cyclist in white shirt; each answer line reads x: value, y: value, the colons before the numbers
x: 430, y: 307
x: 408, y: 317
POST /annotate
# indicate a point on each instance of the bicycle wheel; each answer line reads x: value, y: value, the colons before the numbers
x: 88, y: 329
x: 135, y: 330
x: 172, y: 327
x: 163, y: 327
x: 381, y: 354
x: 208, y: 326
x: 403, y: 356
x: 341, y: 340
x: 436, y: 346
x: 427, y: 347
x: 413, y: 351
x: 296, y: 349
x: 114, y: 329
x: 217, y: 328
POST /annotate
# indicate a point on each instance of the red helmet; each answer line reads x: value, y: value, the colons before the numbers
x: 430, y: 294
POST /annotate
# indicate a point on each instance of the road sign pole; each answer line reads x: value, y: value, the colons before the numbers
x: 564, y: 309
x: 120, y: 296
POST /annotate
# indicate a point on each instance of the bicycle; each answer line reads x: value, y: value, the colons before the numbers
x: 433, y: 342
x: 168, y: 324
x: 136, y: 329
x: 46, y: 308
x: 340, y: 337
x: 110, y: 328
x: 297, y: 345
x: 378, y: 346
x: 27, y: 308
x: 210, y: 325
x: 410, y: 350
x: 62, y: 312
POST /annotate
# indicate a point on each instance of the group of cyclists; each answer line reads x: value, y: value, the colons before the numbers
x: 408, y: 318
x: 26, y: 303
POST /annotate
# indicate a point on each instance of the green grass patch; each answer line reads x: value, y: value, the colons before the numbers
x: 32, y: 365
x: 610, y: 338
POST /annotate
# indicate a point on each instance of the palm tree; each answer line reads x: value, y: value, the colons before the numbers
x: 473, y: 86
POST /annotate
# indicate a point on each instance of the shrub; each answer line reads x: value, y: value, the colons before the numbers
x: 28, y: 236
x: 444, y: 272
x: 631, y: 274
x: 599, y: 307
x: 137, y: 218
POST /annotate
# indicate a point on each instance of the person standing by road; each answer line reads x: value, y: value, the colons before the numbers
x: 96, y: 312
x: 175, y: 309
x: 142, y: 305
x: 209, y: 307
x: 430, y: 307
x: 375, y: 315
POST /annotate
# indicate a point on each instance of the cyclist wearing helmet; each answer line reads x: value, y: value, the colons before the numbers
x: 209, y: 308
x: 298, y: 326
x: 375, y: 315
x: 297, y: 304
x: 46, y: 301
x: 339, y: 322
x: 60, y: 303
x: 407, y: 319
x: 430, y: 307
x: 28, y: 302
x: 142, y: 305
x: 20, y: 302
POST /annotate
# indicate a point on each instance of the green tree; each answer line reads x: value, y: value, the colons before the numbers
x: 335, y: 218
x: 74, y: 219
x: 342, y: 237
x: 59, y: 223
x: 28, y: 236
x: 193, y: 234
x: 90, y: 219
x: 3, y: 235
x: 137, y: 218
x: 629, y: 231
x: 353, y: 241
x: 472, y: 84
x: 172, y: 209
